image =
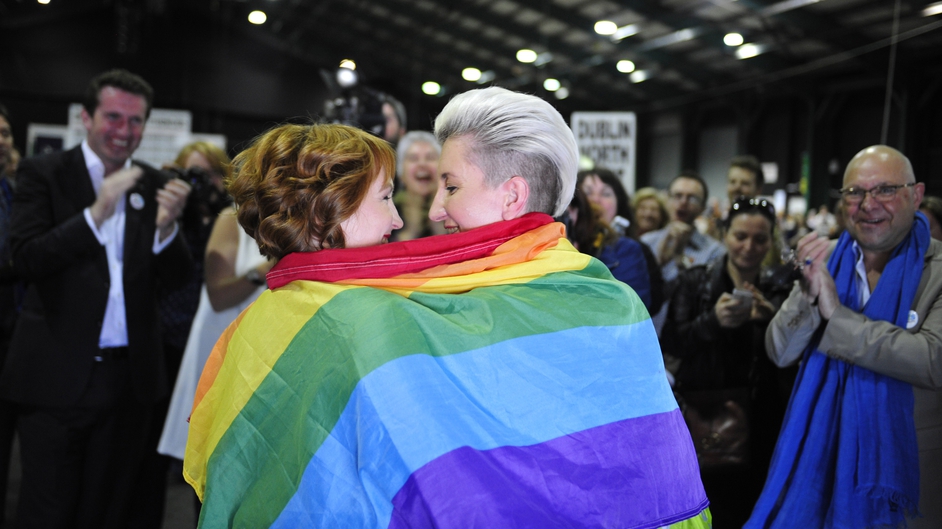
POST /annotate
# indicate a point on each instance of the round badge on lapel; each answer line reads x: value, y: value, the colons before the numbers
x: 912, y: 320
x: 137, y: 201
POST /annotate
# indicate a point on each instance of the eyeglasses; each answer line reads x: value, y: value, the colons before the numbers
x: 680, y: 197
x: 752, y: 205
x: 884, y: 193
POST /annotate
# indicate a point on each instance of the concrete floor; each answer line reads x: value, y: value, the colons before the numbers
x: 179, y: 511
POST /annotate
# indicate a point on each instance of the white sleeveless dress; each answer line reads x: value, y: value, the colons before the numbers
x: 208, y: 325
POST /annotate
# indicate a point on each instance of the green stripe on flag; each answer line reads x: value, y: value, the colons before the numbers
x: 268, y: 446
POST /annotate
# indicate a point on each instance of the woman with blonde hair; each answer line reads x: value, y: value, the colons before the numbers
x: 650, y: 210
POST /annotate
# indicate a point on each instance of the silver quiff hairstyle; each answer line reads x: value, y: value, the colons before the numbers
x: 516, y: 134
x: 416, y: 136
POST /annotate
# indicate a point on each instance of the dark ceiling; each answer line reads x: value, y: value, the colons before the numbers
x: 679, y: 43
x: 399, y: 44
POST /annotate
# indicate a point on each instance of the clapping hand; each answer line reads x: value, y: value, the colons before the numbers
x: 817, y: 285
x: 674, y: 243
x: 171, y: 200
x: 113, y: 187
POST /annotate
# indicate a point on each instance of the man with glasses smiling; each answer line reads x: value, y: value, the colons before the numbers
x: 679, y: 245
x: 863, y: 432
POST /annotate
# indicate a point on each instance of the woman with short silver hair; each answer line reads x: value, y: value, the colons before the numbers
x: 514, y: 134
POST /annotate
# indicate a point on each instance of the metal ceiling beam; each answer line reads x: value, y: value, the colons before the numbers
x: 821, y: 27
x: 403, y: 49
x: 576, y: 55
x: 505, y: 77
x: 693, y: 72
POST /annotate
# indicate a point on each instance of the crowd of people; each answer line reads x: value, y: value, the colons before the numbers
x: 456, y: 328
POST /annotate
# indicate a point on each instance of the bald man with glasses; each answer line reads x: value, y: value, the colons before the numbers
x: 862, y: 438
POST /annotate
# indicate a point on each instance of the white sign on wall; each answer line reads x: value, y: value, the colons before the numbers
x: 608, y: 139
x: 42, y: 138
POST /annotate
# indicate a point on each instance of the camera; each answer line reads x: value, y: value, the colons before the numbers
x: 352, y: 103
x: 201, y: 183
x: 361, y: 108
x: 205, y: 198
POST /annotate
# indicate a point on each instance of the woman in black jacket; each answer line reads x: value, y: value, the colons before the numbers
x: 729, y: 389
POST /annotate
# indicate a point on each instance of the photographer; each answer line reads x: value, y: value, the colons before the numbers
x: 728, y: 388
x: 204, y: 167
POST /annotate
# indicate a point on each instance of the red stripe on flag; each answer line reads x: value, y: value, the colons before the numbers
x: 393, y: 259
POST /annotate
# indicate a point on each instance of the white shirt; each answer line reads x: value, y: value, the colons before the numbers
x: 114, y: 325
x: 863, y: 285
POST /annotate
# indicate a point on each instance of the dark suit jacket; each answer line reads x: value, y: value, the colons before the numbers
x: 56, y: 336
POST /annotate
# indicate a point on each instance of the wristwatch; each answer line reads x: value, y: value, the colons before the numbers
x: 255, y: 277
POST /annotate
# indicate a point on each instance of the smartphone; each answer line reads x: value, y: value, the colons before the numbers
x: 742, y: 295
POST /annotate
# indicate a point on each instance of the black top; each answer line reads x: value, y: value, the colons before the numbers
x: 713, y: 357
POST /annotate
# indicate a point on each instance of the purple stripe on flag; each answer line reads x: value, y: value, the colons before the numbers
x: 635, y: 473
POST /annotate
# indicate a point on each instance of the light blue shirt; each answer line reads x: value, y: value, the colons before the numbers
x: 700, y: 249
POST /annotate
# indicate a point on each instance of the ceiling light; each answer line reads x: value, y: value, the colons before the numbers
x: 431, y: 88
x: 562, y: 93
x: 551, y: 85
x: 625, y: 31
x: 747, y: 51
x: 257, y: 17
x: 639, y: 76
x: 733, y: 39
x: 625, y: 66
x: 471, y: 74
x: 526, y: 56
x: 43, y: 2
x: 606, y: 27
x: 348, y: 64
x: 932, y: 9
x: 346, y: 77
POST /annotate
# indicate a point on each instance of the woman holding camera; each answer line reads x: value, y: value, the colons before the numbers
x: 716, y: 325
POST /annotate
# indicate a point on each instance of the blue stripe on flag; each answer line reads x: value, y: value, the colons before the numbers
x: 519, y: 392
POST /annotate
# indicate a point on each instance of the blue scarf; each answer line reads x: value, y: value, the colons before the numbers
x: 847, y: 456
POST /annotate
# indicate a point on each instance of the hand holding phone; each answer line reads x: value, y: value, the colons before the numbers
x: 743, y: 295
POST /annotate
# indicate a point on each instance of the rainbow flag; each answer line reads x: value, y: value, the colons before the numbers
x: 494, y: 378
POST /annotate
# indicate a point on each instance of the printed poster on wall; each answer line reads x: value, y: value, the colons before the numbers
x: 608, y: 139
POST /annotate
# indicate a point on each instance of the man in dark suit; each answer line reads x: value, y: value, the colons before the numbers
x: 92, y: 234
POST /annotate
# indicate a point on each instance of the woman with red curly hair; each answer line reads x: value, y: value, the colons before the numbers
x: 301, y: 188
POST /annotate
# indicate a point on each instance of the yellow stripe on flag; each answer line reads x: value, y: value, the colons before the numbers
x: 462, y: 277
x: 278, y: 316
